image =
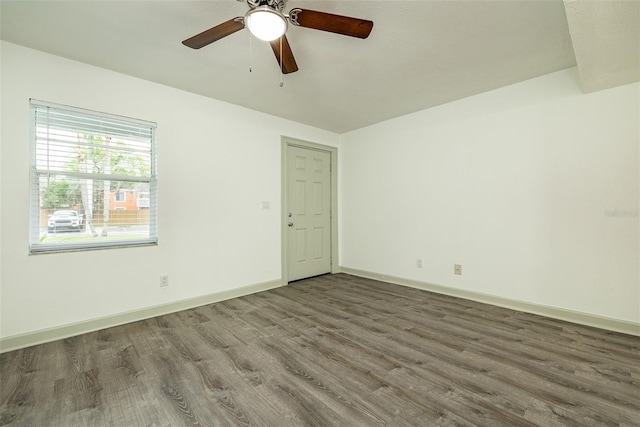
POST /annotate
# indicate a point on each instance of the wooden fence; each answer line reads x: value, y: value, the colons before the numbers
x: 116, y: 217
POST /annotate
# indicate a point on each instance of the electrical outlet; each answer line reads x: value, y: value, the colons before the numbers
x: 457, y: 269
x: 164, y: 281
x: 419, y: 263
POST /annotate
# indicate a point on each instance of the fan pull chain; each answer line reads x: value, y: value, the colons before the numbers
x: 281, y: 62
x: 250, y: 52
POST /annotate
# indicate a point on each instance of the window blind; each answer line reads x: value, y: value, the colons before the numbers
x: 81, y: 162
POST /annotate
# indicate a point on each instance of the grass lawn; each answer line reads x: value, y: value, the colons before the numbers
x: 71, y: 237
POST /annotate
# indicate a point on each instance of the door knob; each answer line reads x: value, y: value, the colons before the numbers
x: 290, y: 224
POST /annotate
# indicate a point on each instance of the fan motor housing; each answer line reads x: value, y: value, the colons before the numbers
x: 274, y: 4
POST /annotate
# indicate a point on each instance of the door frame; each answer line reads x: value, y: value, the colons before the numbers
x: 287, y: 142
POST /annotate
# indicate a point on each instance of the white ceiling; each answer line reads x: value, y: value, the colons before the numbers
x: 420, y: 53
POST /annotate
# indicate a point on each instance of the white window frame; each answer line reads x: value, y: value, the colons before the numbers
x: 86, y: 122
x: 118, y: 199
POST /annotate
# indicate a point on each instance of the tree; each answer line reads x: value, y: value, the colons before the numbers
x: 81, y: 164
x: 101, y: 155
x: 61, y: 194
x: 106, y: 187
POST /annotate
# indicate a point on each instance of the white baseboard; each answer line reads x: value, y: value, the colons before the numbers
x: 578, y: 317
x: 28, y: 339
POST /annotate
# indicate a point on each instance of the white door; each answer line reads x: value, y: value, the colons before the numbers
x: 308, y: 213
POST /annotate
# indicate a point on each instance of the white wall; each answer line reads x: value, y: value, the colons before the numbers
x: 533, y: 188
x: 217, y: 163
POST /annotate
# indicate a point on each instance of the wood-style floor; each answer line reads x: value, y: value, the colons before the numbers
x: 329, y: 351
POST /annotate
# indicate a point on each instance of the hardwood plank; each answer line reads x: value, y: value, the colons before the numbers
x: 331, y: 350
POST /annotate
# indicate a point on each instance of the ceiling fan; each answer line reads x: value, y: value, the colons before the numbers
x: 267, y: 21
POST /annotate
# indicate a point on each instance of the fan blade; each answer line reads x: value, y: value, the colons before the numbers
x: 215, y: 33
x: 287, y: 62
x: 338, y: 24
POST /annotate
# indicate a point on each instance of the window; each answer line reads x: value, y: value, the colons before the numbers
x: 143, y: 200
x: 82, y: 162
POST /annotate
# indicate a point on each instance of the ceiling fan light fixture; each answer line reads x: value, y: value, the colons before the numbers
x: 265, y: 23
